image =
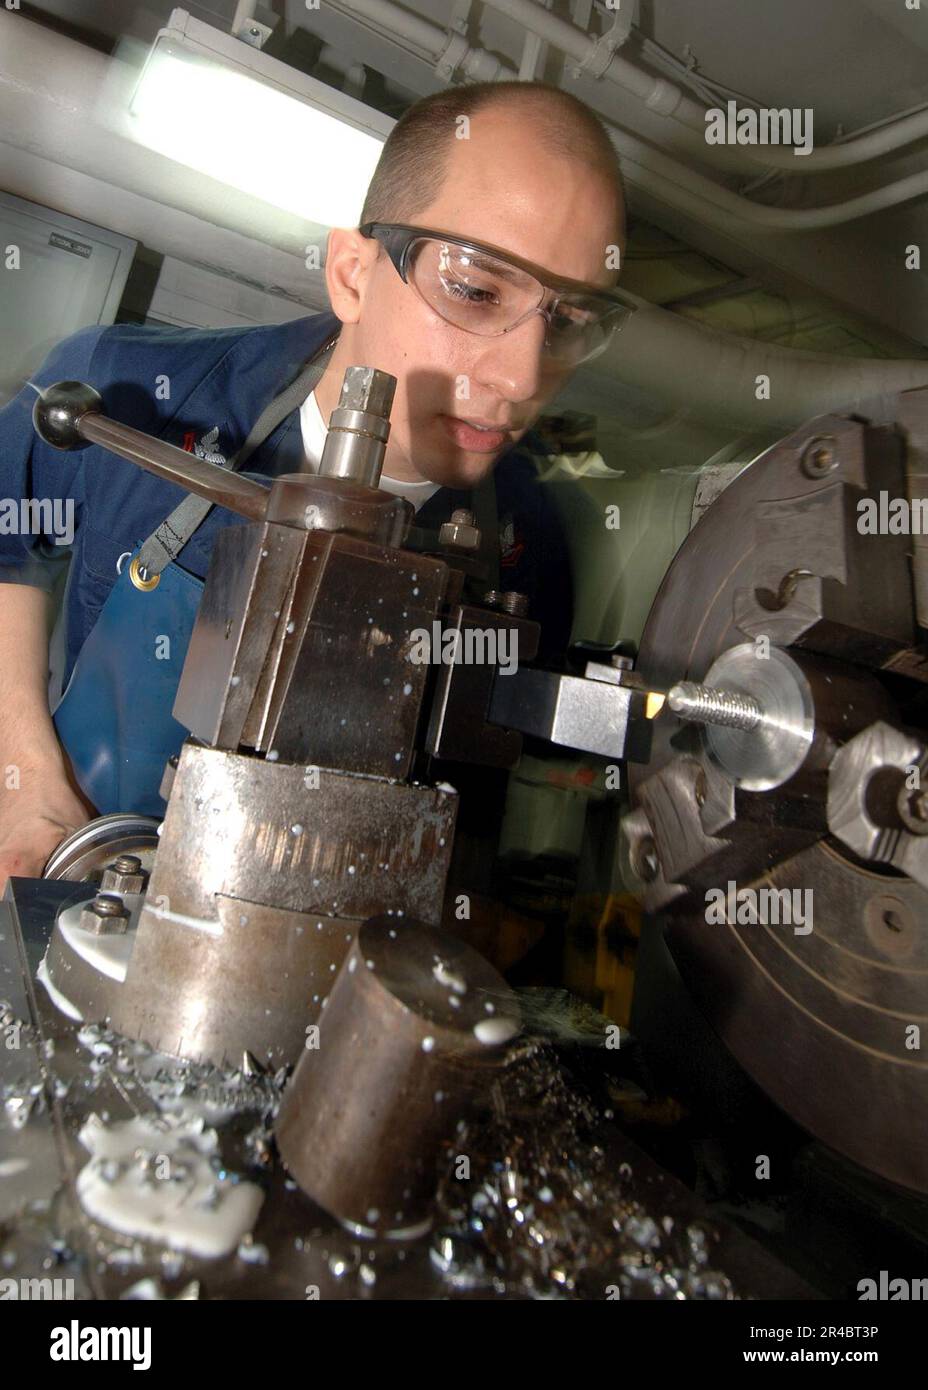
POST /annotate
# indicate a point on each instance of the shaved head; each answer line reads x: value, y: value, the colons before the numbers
x: 415, y: 160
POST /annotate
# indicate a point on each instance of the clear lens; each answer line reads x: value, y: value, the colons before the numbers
x: 578, y: 329
x: 475, y: 291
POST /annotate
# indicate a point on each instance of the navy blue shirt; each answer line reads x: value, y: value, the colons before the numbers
x: 204, y: 389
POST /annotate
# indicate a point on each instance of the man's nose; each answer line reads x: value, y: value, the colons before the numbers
x: 513, y: 364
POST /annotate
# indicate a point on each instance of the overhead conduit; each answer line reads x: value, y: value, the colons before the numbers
x: 657, y: 173
x: 666, y: 99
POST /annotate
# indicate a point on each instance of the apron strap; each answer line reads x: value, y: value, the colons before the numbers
x: 487, y: 519
x: 166, y: 543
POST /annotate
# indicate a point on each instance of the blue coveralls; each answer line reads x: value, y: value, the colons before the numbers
x: 202, y: 390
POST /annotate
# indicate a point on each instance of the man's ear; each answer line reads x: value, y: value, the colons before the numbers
x: 348, y: 259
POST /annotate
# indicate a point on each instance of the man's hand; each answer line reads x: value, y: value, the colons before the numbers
x: 39, y: 803
x: 34, y: 819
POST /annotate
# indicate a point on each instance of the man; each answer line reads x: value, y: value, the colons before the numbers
x: 534, y: 176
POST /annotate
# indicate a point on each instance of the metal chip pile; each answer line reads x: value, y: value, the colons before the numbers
x: 530, y: 1205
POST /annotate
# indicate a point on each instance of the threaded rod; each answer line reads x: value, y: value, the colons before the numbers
x: 707, y: 704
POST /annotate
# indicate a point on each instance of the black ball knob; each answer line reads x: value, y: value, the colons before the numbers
x: 59, y: 410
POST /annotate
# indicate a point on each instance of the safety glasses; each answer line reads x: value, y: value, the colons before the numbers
x: 487, y: 291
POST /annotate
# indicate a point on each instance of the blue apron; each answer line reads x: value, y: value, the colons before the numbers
x: 114, y: 719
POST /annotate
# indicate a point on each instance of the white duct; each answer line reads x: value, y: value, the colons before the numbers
x: 718, y: 376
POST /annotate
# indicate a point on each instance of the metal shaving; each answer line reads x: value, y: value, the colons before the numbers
x: 543, y: 1213
x: 23, y: 1097
x: 135, y: 1079
x: 150, y: 1080
x: 539, y: 1210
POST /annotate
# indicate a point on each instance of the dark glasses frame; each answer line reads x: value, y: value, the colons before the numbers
x: 397, y: 239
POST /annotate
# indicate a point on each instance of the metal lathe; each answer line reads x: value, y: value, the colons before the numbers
x: 294, y: 1075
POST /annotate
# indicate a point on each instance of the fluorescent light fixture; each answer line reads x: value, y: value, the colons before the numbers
x: 214, y: 104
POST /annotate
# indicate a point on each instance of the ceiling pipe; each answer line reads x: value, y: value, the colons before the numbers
x: 448, y: 52
x: 598, y: 57
x: 659, y: 174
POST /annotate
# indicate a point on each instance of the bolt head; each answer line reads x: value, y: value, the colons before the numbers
x: 124, y: 875
x: 107, y: 915
x: 819, y: 457
x: 460, y: 533
x: 127, y: 863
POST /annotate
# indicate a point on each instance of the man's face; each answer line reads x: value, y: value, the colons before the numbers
x: 503, y: 189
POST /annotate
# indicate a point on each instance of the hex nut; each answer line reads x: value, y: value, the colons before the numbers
x: 124, y: 875
x: 107, y: 915
x: 461, y: 532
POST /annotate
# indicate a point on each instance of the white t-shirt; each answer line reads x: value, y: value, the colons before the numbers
x: 314, y: 431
